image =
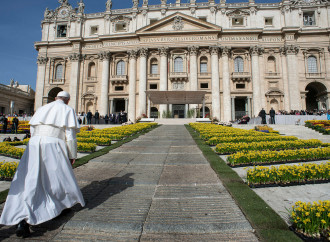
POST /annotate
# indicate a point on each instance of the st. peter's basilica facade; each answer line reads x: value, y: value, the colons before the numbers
x: 169, y: 59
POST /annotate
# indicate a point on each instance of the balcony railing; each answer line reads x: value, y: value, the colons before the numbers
x: 272, y: 74
x: 178, y: 76
x: 57, y: 81
x: 315, y: 75
x: 119, y: 78
x: 241, y: 76
x: 153, y: 76
x: 204, y: 74
x: 92, y: 79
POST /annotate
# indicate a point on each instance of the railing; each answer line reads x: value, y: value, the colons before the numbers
x: 204, y: 74
x: 315, y: 75
x: 240, y: 75
x: 272, y: 74
x: 92, y: 79
x: 14, y: 89
x: 92, y: 15
x: 119, y: 78
x: 57, y: 81
x: 153, y: 76
x: 178, y: 76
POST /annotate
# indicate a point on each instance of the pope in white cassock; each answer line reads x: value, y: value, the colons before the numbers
x: 44, y: 183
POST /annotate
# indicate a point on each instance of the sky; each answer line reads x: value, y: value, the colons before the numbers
x: 20, y: 27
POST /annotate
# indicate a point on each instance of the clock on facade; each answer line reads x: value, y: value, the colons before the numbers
x: 64, y: 12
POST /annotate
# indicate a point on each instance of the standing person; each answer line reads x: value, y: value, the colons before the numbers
x: 272, y: 116
x: 15, y: 125
x: 89, y: 117
x: 97, y: 117
x: 262, y: 114
x: 44, y: 184
x: 5, y: 124
x: 106, y: 119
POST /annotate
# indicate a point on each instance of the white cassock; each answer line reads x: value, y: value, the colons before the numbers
x: 44, y: 183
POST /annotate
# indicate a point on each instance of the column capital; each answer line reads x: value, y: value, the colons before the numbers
x: 132, y: 54
x: 225, y: 50
x: 42, y: 60
x: 289, y: 49
x: 105, y: 55
x: 163, y: 51
x: 214, y: 50
x: 193, y: 50
x: 143, y: 52
x: 76, y: 57
x: 256, y: 50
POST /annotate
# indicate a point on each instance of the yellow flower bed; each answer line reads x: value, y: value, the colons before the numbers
x: 95, y: 140
x: 285, y: 174
x: 8, y: 169
x: 229, y: 139
x: 227, y: 148
x: 312, y: 219
x: 86, y: 147
x: 7, y: 150
x: 260, y: 157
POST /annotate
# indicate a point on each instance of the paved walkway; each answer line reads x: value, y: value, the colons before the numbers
x: 158, y: 187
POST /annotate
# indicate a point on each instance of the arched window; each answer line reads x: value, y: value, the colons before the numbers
x: 120, y: 71
x: 154, y: 66
x: 312, y: 64
x: 203, y: 65
x: 239, y: 64
x: 271, y: 64
x: 178, y: 64
x: 91, y: 70
x: 59, y: 72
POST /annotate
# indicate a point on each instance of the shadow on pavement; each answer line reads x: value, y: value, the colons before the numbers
x: 94, y: 194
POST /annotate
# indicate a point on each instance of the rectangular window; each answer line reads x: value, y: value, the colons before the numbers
x: 120, y: 27
x: 268, y: 21
x: 203, y: 18
x: 203, y: 67
x: 153, y: 20
x: 204, y: 85
x: 309, y: 18
x: 154, y: 68
x: 237, y: 21
x: 61, y: 31
x: 94, y: 30
x: 153, y: 86
x: 240, y: 86
x: 119, y: 88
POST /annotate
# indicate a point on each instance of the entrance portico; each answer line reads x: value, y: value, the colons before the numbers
x: 178, y: 100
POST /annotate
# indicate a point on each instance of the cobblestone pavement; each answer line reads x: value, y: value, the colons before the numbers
x: 158, y: 187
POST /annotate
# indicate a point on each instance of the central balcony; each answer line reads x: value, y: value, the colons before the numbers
x: 241, y: 76
x: 179, y: 76
x: 316, y: 75
x: 119, y: 79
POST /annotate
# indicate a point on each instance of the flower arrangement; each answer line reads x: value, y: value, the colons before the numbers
x: 312, y: 219
x: 322, y: 126
x: 228, y: 148
x: 286, y: 174
x: 7, y: 150
x: 7, y: 169
x: 231, y: 139
x: 265, y: 128
x: 267, y: 156
x: 95, y: 140
x: 86, y: 147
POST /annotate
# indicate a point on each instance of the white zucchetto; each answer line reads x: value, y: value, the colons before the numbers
x: 63, y: 94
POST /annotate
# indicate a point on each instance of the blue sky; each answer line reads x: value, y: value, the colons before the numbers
x: 20, y: 28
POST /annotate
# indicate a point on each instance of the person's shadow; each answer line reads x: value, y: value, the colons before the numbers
x: 94, y: 195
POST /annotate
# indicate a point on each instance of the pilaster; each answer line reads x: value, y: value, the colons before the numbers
x: 75, y: 59
x: 214, y: 50
x: 163, y: 52
x: 255, y: 51
x: 227, y: 107
x: 105, y: 58
x: 143, y: 81
x: 42, y: 62
x: 132, y: 85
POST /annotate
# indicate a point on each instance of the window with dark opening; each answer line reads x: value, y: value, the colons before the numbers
x: 153, y: 86
x: 240, y: 86
x: 119, y: 88
x: 61, y: 31
x: 204, y: 85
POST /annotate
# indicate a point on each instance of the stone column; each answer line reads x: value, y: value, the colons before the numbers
x: 215, y: 82
x: 254, y: 50
x: 193, y: 51
x: 249, y: 106
x: 293, y: 79
x: 126, y: 104
x: 74, y: 79
x: 42, y: 62
x: 226, y: 85
x: 233, y: 108
x: 111, y: 105
x: 143, y: 81
x: 132, y: 85
x: 149, y: 108
x: 105, y: 57
x: 285, y: 79
x: 163, y: 76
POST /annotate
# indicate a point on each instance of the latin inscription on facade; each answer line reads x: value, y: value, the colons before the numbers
x: 179, y: 38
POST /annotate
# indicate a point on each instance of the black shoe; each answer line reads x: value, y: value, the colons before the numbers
x: 23, y: 229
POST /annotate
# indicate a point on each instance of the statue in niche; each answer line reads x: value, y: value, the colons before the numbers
x: 81, y: 7
x: 108, y: 5
x: 135, y: 3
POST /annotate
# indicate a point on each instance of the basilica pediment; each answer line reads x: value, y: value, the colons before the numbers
x: 177, y: 23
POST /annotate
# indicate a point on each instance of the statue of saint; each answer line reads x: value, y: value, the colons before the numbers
x: 163, y: 2
x: 145, y: 2
x: 81, y: 7
x: 108, y: 5
x: 135, y: 3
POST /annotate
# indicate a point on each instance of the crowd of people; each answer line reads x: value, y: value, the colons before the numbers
x: 113, y: 118
x: 302, y: 112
